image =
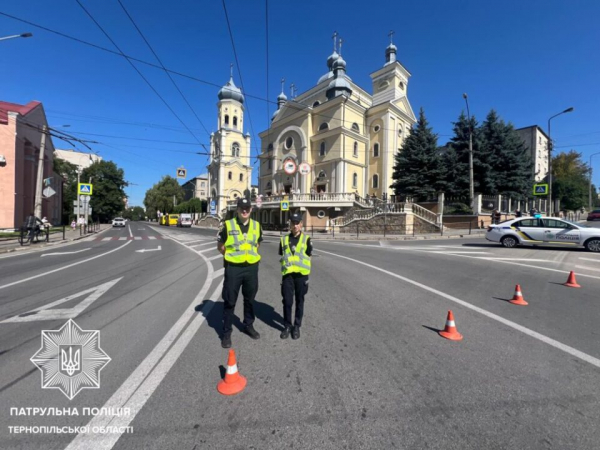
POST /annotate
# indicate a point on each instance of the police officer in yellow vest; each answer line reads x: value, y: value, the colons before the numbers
x: 296, y: 251
x: 238, y: 242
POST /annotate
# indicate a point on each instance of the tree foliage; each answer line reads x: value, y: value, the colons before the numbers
x: 160, y: 196
x: 68, y: 172
x: 194, y: 205
x: 570, y: 182
x: 108, y: 199
x: 418, y: 168
x: 134, y: 213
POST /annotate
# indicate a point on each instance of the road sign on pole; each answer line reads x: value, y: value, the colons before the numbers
x: 48, y: 192
x: 85, y: 188
x: 540, y: 189
x: 181, y: 173
x: 213, y: 207
x: 304, y: 168
x: 285, y: 205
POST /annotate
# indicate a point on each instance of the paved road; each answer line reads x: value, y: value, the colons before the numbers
x: 369, y: 371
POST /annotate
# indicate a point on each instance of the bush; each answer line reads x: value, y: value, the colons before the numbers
x: 457, y: 209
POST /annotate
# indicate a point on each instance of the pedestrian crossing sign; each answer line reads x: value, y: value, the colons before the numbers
x: 181, y: 173
x: 540, y: 189
x: 285, y: 205
x: 84, y: 189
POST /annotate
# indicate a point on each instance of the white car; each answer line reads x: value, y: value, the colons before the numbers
x: 118, y: 222
x: 544, y: 231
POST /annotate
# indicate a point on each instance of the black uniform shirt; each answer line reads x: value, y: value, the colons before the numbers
x: 294, y: 243
x: 222, y: 236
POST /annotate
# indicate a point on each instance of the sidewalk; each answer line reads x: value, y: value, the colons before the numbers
x: 56, y: 238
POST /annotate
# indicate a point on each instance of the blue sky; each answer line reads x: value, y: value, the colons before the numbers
x: 527, y: 59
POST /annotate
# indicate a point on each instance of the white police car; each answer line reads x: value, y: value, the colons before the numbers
x: 539, y: 230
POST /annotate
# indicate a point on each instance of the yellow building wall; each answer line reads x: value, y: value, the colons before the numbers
x: 350, y: 170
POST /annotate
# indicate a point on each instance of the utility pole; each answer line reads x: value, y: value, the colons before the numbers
x: 551, y: 206
x: 591, y: 204
x: 40, y: 176
x: 77, y: 195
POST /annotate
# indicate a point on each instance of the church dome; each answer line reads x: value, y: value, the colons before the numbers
x: 332, y: 58
x: 281, y: 97
x: 327, y: 76
x: 231, y: 91
x: 339, y: 64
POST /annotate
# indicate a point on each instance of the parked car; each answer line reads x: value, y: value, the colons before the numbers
x: 173, y: 218
x: 594, y: 215
x: 540, y: 230
x: 185, y: 220
x: 118, y: 222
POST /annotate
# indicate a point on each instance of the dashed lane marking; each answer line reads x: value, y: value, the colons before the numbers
x: 594, y: 269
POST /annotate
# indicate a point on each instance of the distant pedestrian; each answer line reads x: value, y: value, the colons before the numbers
x: 497, y: 216
x: 73, y: 224
x: 295, y: 250
x: 518, y: 213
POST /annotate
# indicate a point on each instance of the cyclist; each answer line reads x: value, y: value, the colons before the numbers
x: 31, y: 224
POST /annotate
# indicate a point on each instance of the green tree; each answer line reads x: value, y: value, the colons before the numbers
x: 511, y: 171
x: 570, y: 182
x: 108, y: 199
x: 418, y: 168
x: 160, y: 196
x: 134, y: 213
x: 68, y: 172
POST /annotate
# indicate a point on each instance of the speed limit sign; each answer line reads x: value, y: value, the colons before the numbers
x: 289, y: 166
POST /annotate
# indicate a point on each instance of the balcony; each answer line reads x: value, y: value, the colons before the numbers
x: 329, y: 199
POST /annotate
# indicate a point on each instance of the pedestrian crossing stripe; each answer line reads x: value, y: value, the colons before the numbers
x: 130, y: 238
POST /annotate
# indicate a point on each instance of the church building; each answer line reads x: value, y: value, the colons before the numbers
x: 333, y: 145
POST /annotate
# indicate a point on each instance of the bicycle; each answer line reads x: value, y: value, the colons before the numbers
x: 29, y: 236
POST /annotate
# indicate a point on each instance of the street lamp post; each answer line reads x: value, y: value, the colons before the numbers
x: 550, y: 206
x: 14, y: 36
x: 471, y: 183
x: 590, y: 168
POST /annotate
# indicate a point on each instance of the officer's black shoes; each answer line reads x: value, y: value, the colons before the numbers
x: 226, y: 342
x: 285, y: 333
x: 250, y: 331
x: 296, y: 333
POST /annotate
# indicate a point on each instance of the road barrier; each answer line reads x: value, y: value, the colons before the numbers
x: 518, y: 297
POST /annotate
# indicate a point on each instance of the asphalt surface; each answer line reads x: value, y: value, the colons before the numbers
x: 369, y: 371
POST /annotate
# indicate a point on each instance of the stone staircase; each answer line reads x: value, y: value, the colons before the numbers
x: 378, y: 208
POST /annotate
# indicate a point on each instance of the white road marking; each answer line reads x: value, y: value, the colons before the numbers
x: 212, y: 258
x: 137, y: 238
x: 534, y: 334
x: 450, y: 252
x: 107, y: 239
x: 144, y: 380
x: 129, y: 228
x: 202, y: 245
x: 64, y: 267
x: 65, y: 253
x: 45, y: 313
x: 591, y: 259
x: 152, y: 238
x: 195, y: 240
x: 595, y: 269
x: 520, y: 259
x: 123, y: 238
x: 144, y: 250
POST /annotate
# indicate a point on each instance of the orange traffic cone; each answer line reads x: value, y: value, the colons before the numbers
x: 518, y: 297
x: 233, y: 383
x: 572, y: 282
x: 450, y: 332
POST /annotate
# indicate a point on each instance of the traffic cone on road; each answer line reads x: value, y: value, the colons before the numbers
x: 233, y: 383
x: 572, y: 282
x: 518, y: 297
x: 450, y: 332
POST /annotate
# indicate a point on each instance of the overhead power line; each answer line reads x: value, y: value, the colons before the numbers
x: 136, y: 69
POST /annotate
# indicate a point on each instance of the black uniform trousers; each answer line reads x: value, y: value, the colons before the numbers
x: 294, y: 285
x: 246, y: 277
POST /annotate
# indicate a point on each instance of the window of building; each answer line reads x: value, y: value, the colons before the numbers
x: 324, y: 126
x: 401, y: 85
x: 376, y: 128
x: 202, y: 184
x: 241, y: 177
x: 321, y: 214
x: 289, y: 142
x: 230, y: 175
x: 355, y: 150
x: 235, y: 150
x: 202, y: 193
x: 322, y: 149
x: 355, y: 180
x: 270, y: 164
x: 268, y: 186
x: 270, y: 148
x: 226, y: 119
x: 317, y: 103
x: 322, y: 174
x: 376, y: 150
x: 375, y: 181
x: 399, y: 131
x: 355, y: 127
x: 234, y: 121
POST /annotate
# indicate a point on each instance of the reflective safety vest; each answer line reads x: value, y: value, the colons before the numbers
x: 239, y: 248
x: 297, y: 262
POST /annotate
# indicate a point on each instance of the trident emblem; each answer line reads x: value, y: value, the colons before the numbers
x: 70, y: 359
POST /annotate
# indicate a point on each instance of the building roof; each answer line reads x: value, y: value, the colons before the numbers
x: 534, y: 126
x: 6, y: 107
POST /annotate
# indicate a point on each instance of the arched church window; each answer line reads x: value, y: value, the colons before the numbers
x: 375, y: 181
x: 355, y: 152
x: 226, y: 119
x: 324, y: 126
x: 289, y: 142
x: 355, y: 127
x: 230, y: 175
x: 354, y: 180
x: 376, y: 150
x: 322, y: 149
x: 270, y: 148
x: 317, y: 103
x: 241, y: 177
x: 235, y: 150
x: 235, y: 121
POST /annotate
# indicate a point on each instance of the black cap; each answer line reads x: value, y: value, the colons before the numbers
x: 243, y: 203
x: 296, y: 217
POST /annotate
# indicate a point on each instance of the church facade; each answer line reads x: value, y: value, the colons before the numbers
x: 229, y: 169
x: 346, y: 136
